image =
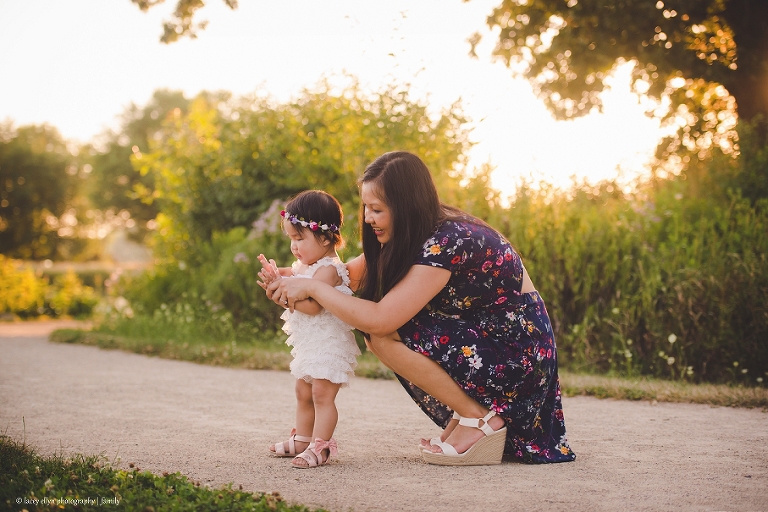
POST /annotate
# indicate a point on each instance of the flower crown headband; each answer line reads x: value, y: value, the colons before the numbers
x: 314, y: 226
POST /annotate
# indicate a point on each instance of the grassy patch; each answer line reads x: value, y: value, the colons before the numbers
x: 29, y: 481
x: 254, y: 355
x: 262, y: 355
x: 662, y: 390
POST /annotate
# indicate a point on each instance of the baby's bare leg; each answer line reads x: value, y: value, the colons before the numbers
x: 305, y: 411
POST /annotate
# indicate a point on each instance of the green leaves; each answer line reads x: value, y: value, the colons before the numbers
x: 181, y: 23
x: 699, y: 55
x: 38, y: 180
x: 221, y: 164
x: 623, y: 273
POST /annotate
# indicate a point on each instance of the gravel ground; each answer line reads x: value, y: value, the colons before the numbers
x: 214, y: 425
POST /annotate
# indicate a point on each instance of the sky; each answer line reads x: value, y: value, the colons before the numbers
x: 78, y: 64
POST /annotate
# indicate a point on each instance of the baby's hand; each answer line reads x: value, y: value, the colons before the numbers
x: 269, y: 271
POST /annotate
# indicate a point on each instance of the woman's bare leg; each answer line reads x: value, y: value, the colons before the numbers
x: 430, y: 377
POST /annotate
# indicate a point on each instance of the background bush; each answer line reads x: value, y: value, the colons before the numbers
x: 25, y: 294
x: 669, y: 280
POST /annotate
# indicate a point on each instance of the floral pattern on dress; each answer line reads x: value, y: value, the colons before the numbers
x: 494, y: 341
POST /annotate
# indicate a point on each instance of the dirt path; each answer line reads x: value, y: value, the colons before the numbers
x: 213, y: 425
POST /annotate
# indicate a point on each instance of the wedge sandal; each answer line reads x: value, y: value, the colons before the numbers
x: 435, y: 440
x: 488, y: 450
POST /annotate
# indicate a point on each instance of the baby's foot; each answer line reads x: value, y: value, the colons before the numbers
x: 317, y: 454
x: 300, y: 446
x: 295, y: 445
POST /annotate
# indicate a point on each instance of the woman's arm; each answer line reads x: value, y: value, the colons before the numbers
x: 327, y: 275
x: 398, y: 306
x: 356, y: 269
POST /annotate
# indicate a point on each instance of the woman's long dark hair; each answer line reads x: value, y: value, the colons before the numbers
x: 404, y: 183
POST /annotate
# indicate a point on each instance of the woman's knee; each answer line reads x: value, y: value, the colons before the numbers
x: 380, y: 345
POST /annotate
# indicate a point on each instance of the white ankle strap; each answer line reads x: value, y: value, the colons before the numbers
x: 475, y: 423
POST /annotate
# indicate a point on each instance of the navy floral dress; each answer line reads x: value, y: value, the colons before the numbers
x: 494, y: 341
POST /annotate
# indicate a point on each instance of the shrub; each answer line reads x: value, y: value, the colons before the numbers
x: 21, y: 292
x: 71, y: 297
x: 658, y: 281
x: 211, y: 290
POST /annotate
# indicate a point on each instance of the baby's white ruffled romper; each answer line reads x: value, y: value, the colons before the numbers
x: 323, y: 346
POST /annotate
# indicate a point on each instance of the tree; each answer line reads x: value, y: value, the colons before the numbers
x: 38, y: 180
x: 687, y: 50
x: 226, y: 161
x: 181, y: 24
x: 114, y: 184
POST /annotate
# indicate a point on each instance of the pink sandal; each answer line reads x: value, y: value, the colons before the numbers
x: 279, y: 450
x: 313, y: 455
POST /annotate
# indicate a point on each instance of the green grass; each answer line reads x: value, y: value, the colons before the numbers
x: 32, y: 482
x: 255, y: 355
x: 663, y: 390
x: 275, y: 356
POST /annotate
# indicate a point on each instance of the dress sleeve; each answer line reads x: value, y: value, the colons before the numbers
x: 447, y: 248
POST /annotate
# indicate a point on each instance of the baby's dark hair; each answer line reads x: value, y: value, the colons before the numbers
x: 317, y: 207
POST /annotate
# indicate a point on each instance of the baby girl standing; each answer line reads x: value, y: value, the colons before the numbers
x: 324, y: 348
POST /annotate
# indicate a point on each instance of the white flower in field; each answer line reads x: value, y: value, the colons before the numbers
x: 670, y: 361
x: 615, y: 311
x: 735, y: 364
x: 759, y: 379
x: 662, y: 353
x: 689, y: 370
x: 744, y: 370
x: 672, y: 338
x: 628, y: 354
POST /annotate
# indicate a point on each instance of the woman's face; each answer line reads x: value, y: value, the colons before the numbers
x: 376, y: 212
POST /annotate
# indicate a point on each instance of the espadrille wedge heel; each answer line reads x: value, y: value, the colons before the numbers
x: 487, y: 450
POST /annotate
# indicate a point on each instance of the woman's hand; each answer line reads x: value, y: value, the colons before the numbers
x: 288, y: 291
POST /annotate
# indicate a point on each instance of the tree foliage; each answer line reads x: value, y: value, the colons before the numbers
x: 114, y: 184
x: 701, y: 54
x: 181, y: 23
x: 223, y: 163
x: 38, y: 180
